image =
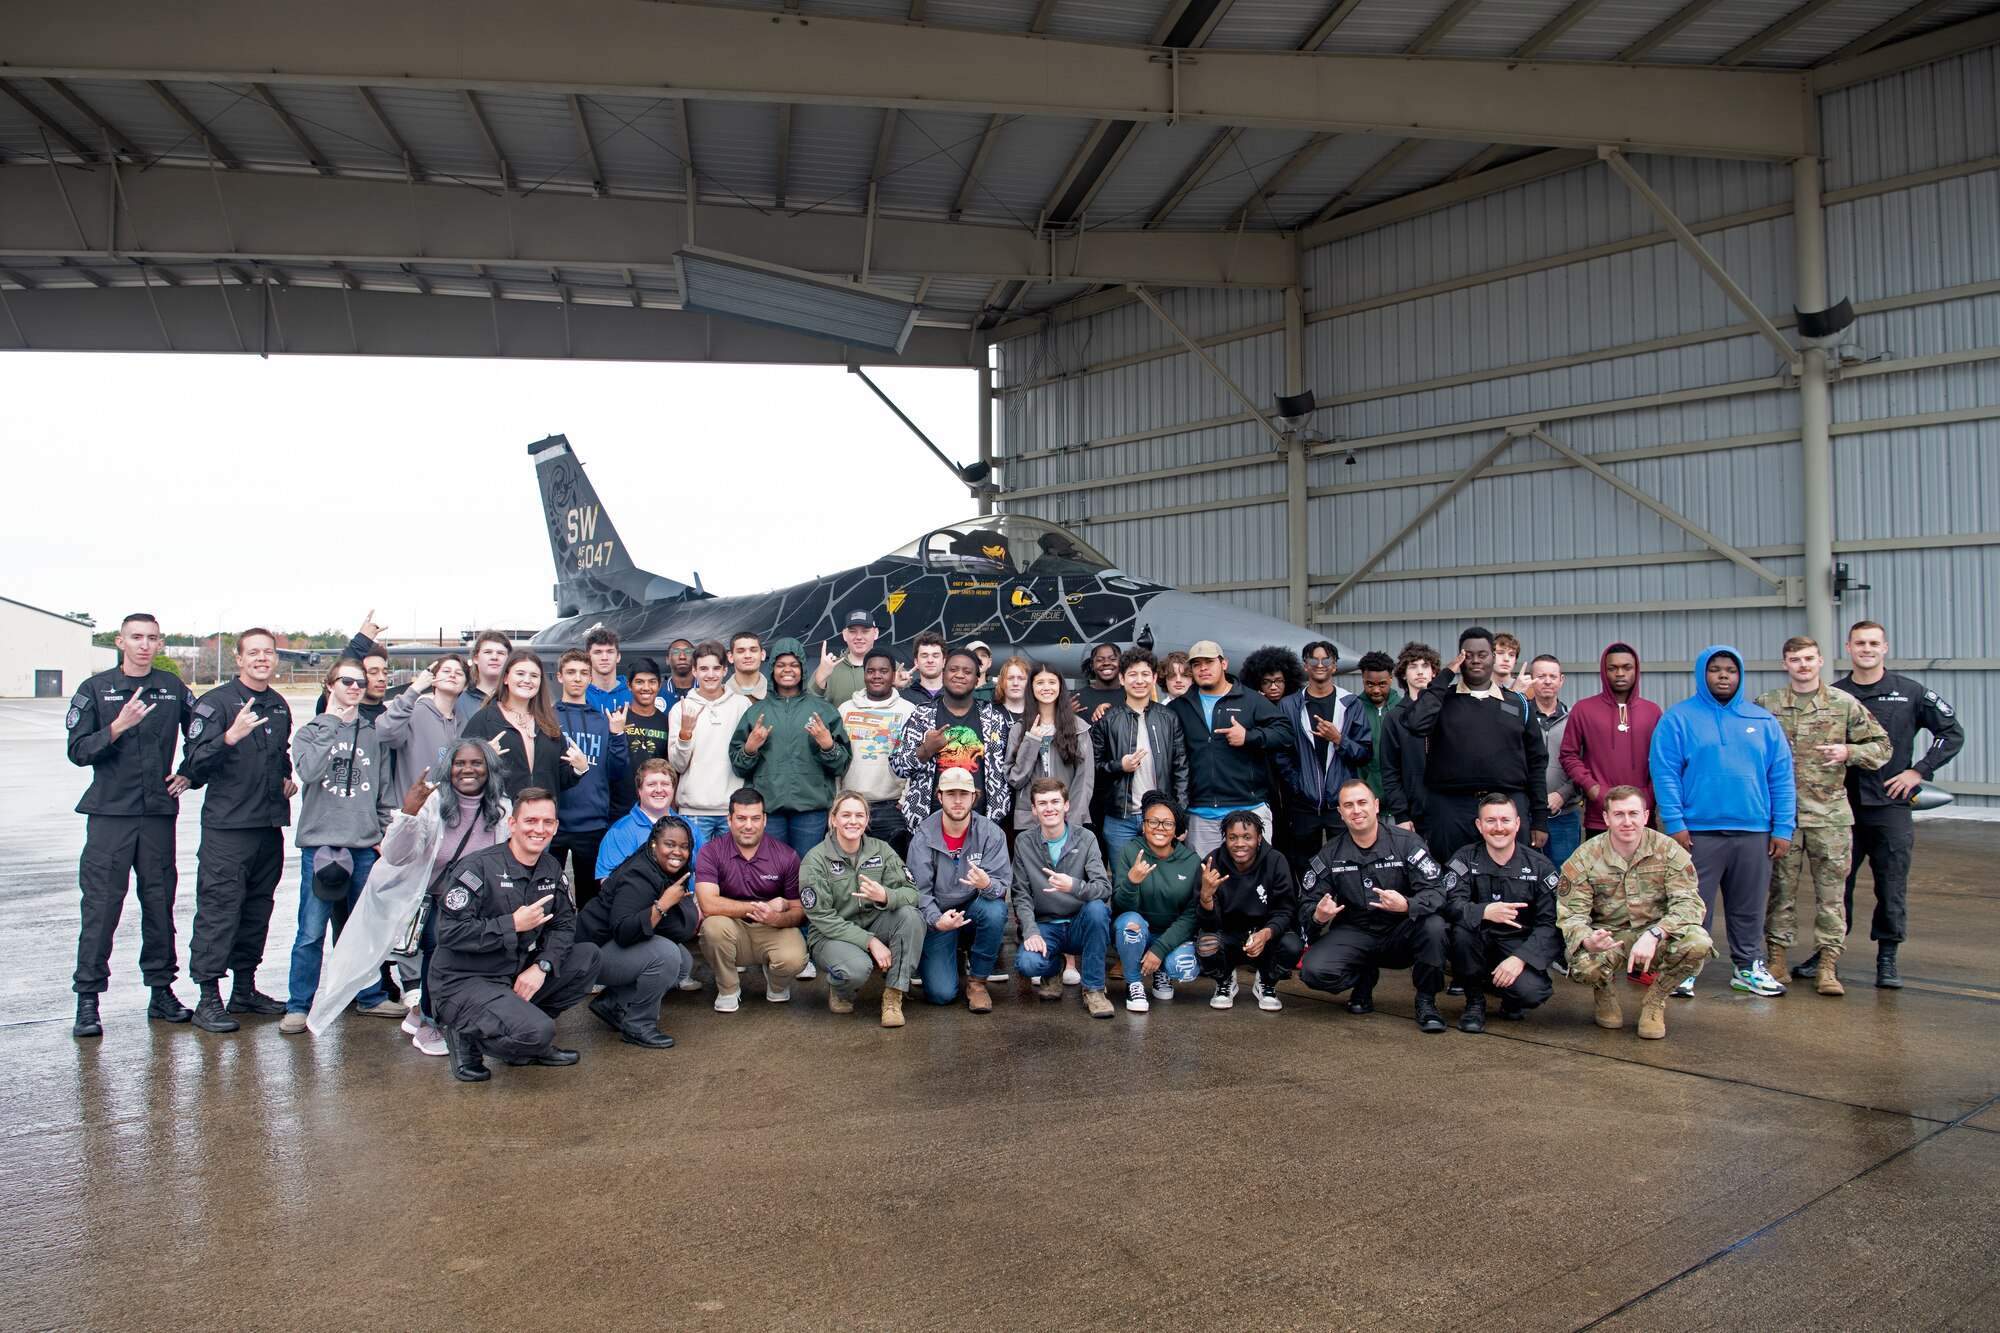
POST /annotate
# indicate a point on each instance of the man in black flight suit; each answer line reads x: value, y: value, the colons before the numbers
x: 1500, y: 899
x: 1369, y: 900
x: 122, y: 726
x: 1883, y: 831
x: 239, y: 750
x: 507, y: 959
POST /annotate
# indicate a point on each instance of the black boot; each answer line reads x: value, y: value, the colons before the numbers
x: 245, y: 998
x: 87, y: 1024
x: 650, y: 1037
x: 1474, y: 1017
x: 1886, y: 975
x: 167, y: 1006
x: 209, y: 1015
x: 1512, y: 1012
x: 1428, y: 1017
x: 1807, y: 968
x: 609, y: 1012
x: 1362, y: 999
x: 463, y: 1058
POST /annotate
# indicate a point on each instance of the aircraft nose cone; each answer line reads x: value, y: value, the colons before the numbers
x: 1179, y: 620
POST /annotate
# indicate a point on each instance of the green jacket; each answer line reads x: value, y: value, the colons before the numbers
x: 1166, y: 898
x: 1371, y: 772
x: 828, y: 878
x: 790, y: 769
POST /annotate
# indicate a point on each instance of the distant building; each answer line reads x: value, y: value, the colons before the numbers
x: 44, y: 654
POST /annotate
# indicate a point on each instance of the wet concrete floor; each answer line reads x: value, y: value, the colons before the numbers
x: 1785, y: 1163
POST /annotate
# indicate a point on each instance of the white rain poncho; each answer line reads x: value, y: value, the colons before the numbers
x: 394, y: 889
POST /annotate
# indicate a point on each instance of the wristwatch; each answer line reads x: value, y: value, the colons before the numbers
x: 544, y: 964
x: 1656, y: 932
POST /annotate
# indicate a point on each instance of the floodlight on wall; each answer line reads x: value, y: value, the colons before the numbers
x: 1294, y: 408
x: 1818, y: 326
x: 791, y: 299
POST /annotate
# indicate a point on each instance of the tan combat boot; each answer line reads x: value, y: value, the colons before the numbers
x: 1653, y: 1013
x: 1609, y: 1014
x: 977, y: 998
x: 1827, y: 980
x: 837, y: 1005
x: 892, y: 1007
x: 1774, y: 959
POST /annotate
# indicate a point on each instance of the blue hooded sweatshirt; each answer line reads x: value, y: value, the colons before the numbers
x: 1723, y: 767
x: 586, y: 807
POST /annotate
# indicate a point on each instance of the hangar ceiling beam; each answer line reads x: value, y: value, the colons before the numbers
x: 1201, y: 354
x: 1937, y: 44
x: 411, y: 167
x: 49, y: 123
x: 330, y: 321
x: 601, y: 47
x: 119, y: 143
x: 193, y: 125
x: 308, y: 219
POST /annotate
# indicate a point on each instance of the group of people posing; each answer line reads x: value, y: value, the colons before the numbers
x: 490, y: 848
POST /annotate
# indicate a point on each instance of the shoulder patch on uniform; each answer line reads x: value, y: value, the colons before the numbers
x: 874, y: 861
x: 1551, y: 879
x: 76, y: 710
x: 456, y: 898
x: 1422, y: 861
x: 202, y: 709
x: 195, y: 728
x: 808, y: 895
x: 1931, y: 698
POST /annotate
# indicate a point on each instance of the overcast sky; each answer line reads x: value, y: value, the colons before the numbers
x: 222, y: 491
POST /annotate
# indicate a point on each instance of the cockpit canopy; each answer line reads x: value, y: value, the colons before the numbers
x: 1005, y: 546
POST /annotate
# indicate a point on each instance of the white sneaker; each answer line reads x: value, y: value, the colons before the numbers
x: 772, y: 993
x: 688, y: 984
x: 413, y: 1022
x: 1135, y: 997
x: 428, y: 1040
x: 292, y: 1024
x: 1163, y: 985
x: 1225, y: 994
x: 808, y: 972
x: 1072, y: 977
x: 1686, y: 989
x: 727, y: 1001
x: 994, y: 978
x: 1267, y: 995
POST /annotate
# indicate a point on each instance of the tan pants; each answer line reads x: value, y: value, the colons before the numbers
x: 727, y: 941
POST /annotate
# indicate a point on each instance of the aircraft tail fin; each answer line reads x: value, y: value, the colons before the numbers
x: 594, y: 572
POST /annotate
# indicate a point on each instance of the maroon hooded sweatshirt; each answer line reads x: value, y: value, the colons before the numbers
x: 1605, y: 744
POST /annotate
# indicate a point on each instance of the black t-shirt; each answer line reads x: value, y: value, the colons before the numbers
x: 964, y: 748
x: 1094, y: 695
x: 647, y: 737
x: 1321, y: 710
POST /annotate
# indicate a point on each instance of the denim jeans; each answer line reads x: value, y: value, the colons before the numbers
x: 1133, y: 937
x: 1087, y: 935
x: 939, y: 966
x: 1565, y: 836
x: 315, y: 915
x: 1119, y: 830
x: 707, y: 828
x: 800, y: 830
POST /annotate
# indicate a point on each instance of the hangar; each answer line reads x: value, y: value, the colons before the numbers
x: 1675, y: 320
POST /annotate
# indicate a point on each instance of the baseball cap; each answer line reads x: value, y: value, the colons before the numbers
x: 977, y: 644
x: 956, y: 779
x: 1206, y: 648
x: 859, y: 619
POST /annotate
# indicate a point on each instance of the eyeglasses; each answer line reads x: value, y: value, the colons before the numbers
x: 1319, y: 661
x: 1159, y: 823
x: 350, y: 681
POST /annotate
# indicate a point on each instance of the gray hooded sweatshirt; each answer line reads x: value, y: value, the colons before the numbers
x: 344, y: 801
x: 411, y: 731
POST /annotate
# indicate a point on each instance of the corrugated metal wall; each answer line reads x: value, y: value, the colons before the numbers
x: 1543, y: 301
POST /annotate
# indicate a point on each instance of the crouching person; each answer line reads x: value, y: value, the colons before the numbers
x: 642, y: 921
x: 959, y: 863
x: 1061, y: 897
x: 1245, y: 911
x: 1630, y: 902
x: 507, y: 959
x: 1154, y: 880
x: 862, y: 910
x: 1500, y: 900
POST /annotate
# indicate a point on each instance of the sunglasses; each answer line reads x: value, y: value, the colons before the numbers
x: 353, y: 682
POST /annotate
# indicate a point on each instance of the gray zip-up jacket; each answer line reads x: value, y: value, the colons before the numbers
x: 344, y: 800
x: 412, y: 731
x: 1080, y: 860
x: 937, y: 870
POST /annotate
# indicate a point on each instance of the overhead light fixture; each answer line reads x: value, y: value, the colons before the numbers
x: 1294, y: 408
x: 791, y: 299
x: 1819, y: 325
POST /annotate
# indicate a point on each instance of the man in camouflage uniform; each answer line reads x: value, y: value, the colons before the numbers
x: 1630, y: 902
x: 1830, y: 732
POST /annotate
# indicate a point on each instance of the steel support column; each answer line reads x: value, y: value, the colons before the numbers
x: 1297, y: 517
x: 987, y: 487
x: 1815, y: 408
